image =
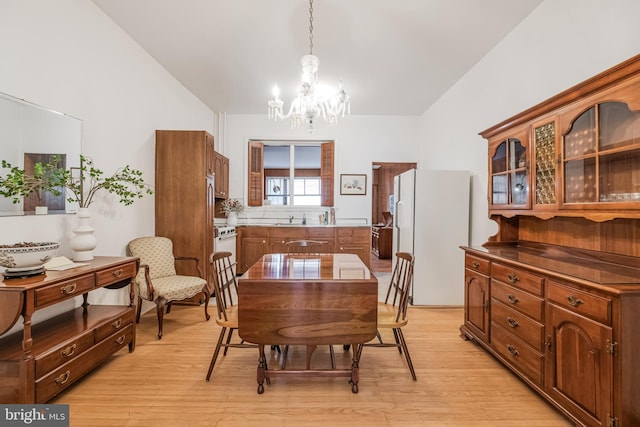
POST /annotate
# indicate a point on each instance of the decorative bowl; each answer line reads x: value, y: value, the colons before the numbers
x: 26, y: 255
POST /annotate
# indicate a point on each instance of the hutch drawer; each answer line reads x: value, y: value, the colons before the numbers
x: 518, y: 300
x: 517, y: 277
x: 64, y: 290
x: 518, y: 353
x: 523, y: 327
x: 581, y: 302
x: 475, y: 263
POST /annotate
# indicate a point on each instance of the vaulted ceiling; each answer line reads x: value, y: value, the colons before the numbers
x: 395, y: 57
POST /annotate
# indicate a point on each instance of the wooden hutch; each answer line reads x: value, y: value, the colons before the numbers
x: 555, y: 294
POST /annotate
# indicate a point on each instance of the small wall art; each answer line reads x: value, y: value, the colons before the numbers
x: 353, y: 184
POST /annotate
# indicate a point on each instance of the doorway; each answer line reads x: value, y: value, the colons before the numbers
x: 381, y: 219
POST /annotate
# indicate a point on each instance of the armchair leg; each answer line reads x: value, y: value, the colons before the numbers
x: 138, y: 309
x: 160, y: 307
x: 207, y: 297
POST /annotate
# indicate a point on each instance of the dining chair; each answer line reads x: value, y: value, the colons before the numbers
x: 225, y: 288
x: 157, y: 280
x: 392, y: 312
x: 306, y: 247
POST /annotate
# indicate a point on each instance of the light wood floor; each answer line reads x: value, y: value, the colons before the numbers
x: 162, y: 383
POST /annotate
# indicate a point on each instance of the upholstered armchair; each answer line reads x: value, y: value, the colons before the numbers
x: 157, y: 280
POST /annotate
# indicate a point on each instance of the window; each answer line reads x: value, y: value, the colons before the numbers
x: 274, y: 165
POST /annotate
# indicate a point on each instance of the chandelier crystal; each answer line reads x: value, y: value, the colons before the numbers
x: 313, y: 99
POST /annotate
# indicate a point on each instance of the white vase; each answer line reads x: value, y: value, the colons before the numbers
x: 84, y: 242
x: 232, y: 218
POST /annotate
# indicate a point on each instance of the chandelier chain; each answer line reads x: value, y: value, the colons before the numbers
x: 310, y: 27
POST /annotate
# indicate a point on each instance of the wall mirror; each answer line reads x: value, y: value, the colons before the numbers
x: 30, y: 133
x: 291, y: 173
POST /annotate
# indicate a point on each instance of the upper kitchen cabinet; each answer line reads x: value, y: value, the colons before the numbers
x: 509, y: 166
x: 575, y: 155
x: 221, y: 168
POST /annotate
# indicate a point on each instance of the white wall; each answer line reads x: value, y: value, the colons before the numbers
x: 68, y: 56
x: 359, y: 141
x: 558, y: 45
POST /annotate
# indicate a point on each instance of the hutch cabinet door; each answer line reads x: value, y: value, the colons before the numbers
x: 579, y: 365
x: 601, y: 158
x: 544, y: 165
x: 509, y: 167
x: 476, y: 295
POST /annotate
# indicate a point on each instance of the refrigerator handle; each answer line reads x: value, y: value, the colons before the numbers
x: 396, y: 217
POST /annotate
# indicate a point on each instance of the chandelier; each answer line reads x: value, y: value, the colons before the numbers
x: 313, y: 100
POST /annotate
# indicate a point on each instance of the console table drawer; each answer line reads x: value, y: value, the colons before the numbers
x: 64, y: 290
x: 522, y: 326
x: 116, y: 274
x: 474, y: 263
x: 115, y: 324
x: 70, y: 372
x: 578, y: 301
x: 517, y: 299
x: 516, y: 277
x: 63, y: 353
x: 517, y: 352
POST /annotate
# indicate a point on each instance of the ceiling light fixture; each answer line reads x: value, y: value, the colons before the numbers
x: 313, y: 100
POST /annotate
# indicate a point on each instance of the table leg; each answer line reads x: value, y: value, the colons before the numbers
x: 262, y: 362
x: 357, y: 351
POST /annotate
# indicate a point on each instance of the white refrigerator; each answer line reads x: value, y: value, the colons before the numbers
x: 432, y: 230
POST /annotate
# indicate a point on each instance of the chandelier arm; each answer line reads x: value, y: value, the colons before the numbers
x: 310, y: 102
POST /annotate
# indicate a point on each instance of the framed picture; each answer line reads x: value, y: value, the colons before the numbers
x: 353, y: 184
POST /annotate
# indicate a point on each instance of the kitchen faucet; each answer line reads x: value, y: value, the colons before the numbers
x: 291, y: 219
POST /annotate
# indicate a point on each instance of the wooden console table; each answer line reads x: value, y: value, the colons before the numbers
x: 40, y: 361
x: 308, y: 300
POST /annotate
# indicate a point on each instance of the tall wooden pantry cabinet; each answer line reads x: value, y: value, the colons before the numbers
x: 185, y: 194
x: 555, y: 294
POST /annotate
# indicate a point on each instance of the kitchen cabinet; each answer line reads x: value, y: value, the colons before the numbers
x: 251, y: 244
x: 354, y: 240
x: 381, y: 241
x: 185, y: 195
x: 562, y: 274
x: 255, y: 241
x: 221, y: 169
x: 44, y: 359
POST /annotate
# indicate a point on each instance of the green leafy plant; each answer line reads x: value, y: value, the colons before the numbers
x: 126, y: 183
x: 46, y: 177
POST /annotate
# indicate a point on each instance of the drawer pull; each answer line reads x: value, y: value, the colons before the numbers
x: 118, y: 273
x: 117, y: 323
x: 574, y: 301
x: 513, y: 299
x: 63, y: 378
x: 68, y: 352
x: 513, y: 278
x: 120, y: 340
x: 475, y: 264
x: 514, y: 351
x: 513, y: 322
x: 69, y: 289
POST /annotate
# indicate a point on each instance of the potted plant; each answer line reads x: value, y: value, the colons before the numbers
x: 46, y: 177
x: 126, y: 183
x: 231, y: 208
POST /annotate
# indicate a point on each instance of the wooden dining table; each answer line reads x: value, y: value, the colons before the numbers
x: 309, y: 300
